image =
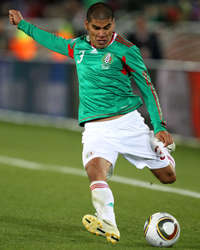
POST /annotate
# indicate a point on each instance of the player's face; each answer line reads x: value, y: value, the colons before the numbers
x: 100, y: 31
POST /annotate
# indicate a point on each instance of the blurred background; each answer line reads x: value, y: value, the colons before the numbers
x: 40, y: 86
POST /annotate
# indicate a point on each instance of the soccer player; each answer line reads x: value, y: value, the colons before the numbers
x: 105, y: 62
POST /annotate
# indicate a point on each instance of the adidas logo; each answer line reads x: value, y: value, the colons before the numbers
x: 94, y: 51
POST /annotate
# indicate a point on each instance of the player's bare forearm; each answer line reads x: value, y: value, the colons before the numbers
x: 165, y: 137
x: 15, y: 17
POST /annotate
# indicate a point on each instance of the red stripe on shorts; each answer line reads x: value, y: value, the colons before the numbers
x: 170, y: 158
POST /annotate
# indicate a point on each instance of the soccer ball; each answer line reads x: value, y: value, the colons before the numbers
x: 161, y: 230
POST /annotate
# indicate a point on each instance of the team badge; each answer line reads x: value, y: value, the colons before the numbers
x: 107, y: 61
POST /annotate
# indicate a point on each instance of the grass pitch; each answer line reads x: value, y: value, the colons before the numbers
x: 42, y: 210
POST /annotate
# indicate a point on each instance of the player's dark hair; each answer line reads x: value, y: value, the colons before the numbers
x: 100, y: 11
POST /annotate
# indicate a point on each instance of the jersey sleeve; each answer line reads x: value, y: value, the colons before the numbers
x: 140, y: 74
x: 47, y: 39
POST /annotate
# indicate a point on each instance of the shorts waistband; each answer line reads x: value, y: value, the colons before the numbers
x: 109, y: 123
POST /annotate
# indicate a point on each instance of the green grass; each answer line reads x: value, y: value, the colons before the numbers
x: 42, y: 210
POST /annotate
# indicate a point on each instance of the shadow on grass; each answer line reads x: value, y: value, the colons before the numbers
x: 29, y: 230
x: 34, y: 228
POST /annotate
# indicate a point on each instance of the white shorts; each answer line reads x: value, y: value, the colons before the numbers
x: 127, y: 135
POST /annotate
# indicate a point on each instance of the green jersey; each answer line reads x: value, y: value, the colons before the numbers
x: 104, y: 75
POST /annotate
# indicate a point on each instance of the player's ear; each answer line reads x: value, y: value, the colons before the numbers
x: 113, y: 23
x: 86, y: 24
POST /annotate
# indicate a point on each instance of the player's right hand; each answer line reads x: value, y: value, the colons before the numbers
x: 15, y: 17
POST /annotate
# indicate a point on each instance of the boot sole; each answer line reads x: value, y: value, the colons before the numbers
x: 94, y: 226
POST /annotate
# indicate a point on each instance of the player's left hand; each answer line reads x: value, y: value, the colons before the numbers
x: 164, y: 137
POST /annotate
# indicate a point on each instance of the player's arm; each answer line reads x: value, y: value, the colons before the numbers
x: 47, y: 39
x: 141, y: 76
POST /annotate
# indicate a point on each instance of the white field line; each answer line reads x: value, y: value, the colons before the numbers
x: 22, y: 118
x: 16, y: 162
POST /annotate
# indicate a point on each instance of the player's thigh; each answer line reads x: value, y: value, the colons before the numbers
x: 99, y: 159
x: 99, y: 154
x: 161, y: 168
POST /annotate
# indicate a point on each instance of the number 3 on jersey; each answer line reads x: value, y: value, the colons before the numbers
x: 82, y: 52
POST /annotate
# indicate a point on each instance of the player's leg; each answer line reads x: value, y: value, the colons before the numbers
x: 139, y: 147
x: 99, y: 157
x: 102, y: 198
x: 104, y: 222
x: 162, y: 167
x: 166, y: 175
x: 97, y: 169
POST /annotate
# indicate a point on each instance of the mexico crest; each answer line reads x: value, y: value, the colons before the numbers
x: 107, y: 59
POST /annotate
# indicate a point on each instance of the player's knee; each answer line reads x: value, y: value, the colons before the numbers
x: 168, y: 179
x: 97, y: 169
